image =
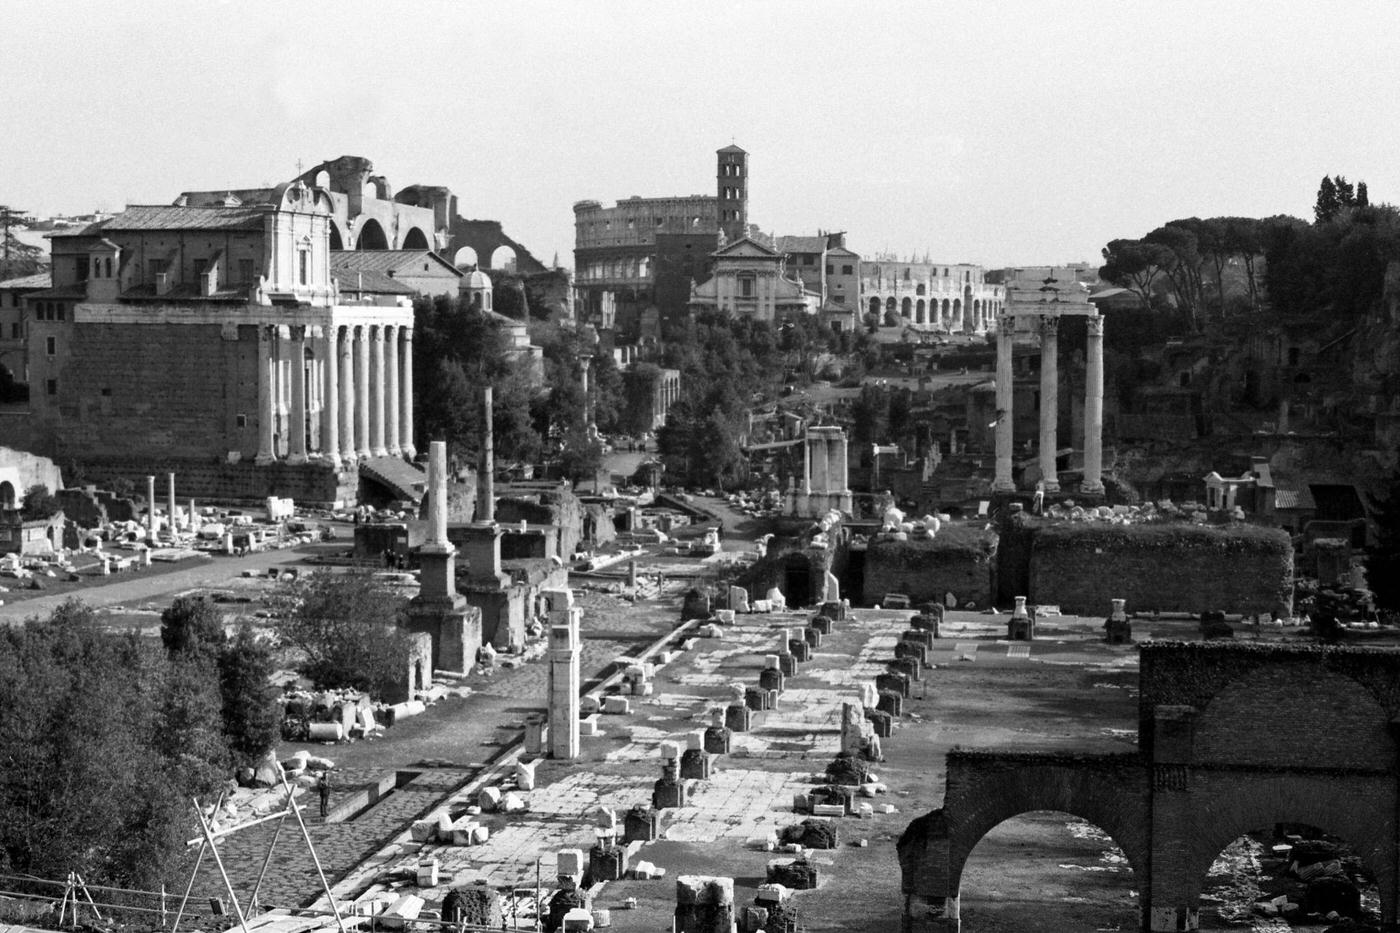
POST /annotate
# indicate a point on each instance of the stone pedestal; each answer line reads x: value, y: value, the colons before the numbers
x: 911, y: 668
x: 641, y: 824
x: 756, y: 699
x: 891, y: 703
x: 738, y: 718
x: 800, y: 650
x: 812, y: 636
x: 835, y: 611
x: 534, y: 734
x: 881, y: 722
x: 1118, y: 630
x: 771, y: 679
x: 894, y: 682
x: 668, y: 792
x: 607, y: 863
x: 696, y: 764
x: 822, y: 624
x: 564, y: 647
x: 911, y: 650
x: 1021, y: 626
x: 787, y: 664
x: 717, y: 739
x: 920, y: 636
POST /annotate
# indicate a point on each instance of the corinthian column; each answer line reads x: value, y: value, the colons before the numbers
x: 345, y: 349
x: 1093, y: 410
x: 1003, y: 482
x: 362, y: 392
x: 391, y: 390
x: 296, y: 373
x: 329, y: 352
x: 1049, y: 400
x: 265, y: 414
x: 376, y: 391
x: 406, y: 397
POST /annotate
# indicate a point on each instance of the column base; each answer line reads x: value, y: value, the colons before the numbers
x: 1051, y: 485
x: 380, y: 452
x: 394, y: 451
x: 348, y: 458
x: 263, y: 459
x: 297, y: 459
x: 409, y: 453
x: 363, y: 454
x: 333, y: 460
x: 1091, y: 488
x: 1001, y: 484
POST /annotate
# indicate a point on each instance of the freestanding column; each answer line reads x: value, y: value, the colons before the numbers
x: 151, y: 506
x: 405, y: 400
x: 1049, y: 400
x: 265, y: 433
x: 376, y: 391
x: 296, y: 372
x: 362, y: 392
x: 437, y: 495
x: 563, y: 679
x: 170, y: 503
x: 345, y: 349
x: 282, y: 375
x: 330, y: 405
x: 1093, y: 410
x: 391, y: 390
x: 1003, y: 481
x: 486, y: 475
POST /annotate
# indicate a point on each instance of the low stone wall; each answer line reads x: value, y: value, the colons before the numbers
x: 958, y: 562
x: 1162, y: 567
x: 312, y: 484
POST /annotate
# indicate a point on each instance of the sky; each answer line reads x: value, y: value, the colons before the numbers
x: 1014, y: 133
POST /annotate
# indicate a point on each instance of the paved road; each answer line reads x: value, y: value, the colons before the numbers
x: 132, y: 587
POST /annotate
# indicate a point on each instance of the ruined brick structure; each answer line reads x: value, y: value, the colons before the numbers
x: 1232, y: 738
x: 957, y: 561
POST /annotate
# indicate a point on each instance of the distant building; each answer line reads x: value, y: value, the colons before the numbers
x: 648, y: 251
x: 750, y: 280
x: 14, y: 355
x: 422, y: 271
x: 950, y: 298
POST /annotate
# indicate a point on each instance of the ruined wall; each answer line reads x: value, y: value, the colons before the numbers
x: 311, y: 484
x: 959, y: 561
x: 1166, y: 568
x: 22, y: 470
x: 551, y: 507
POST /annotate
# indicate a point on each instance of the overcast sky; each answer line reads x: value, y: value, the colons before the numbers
x: 1005, y: 134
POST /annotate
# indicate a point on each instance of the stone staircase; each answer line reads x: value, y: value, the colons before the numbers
x: 405, y: 480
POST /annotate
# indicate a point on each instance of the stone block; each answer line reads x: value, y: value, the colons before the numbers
x: 717, y: 739
x: 577, y: 920
x: 909, y: 649
x: 617, y: 705
x: 891, y: 703
x: 909, y: 667
x: 812, y: 637
x: 724, y: 616
x: 670, y: 750
x: 756, y: 699
x: 897, y: 682
x: 738, y: 718
x: 771, y: 679
x: 881, y: 722
x: 800, y: 650
x: 488, y: 799
x: 828, y: 809
x: 423, y: 830
x: 918, y: 636
x: 513, y: 803
x: 525, y: 774
x: 822, y: 624
x: 607, y: 863
x: 667, y: 793
x: 641, y: 824
x: 787, y: 664
x: 570, y: 862
x: 696, y: 765
x: 837, y: 611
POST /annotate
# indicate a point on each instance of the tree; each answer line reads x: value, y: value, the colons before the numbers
x: 16, y: 257
x: 1134, y: 265
x: 581, y: 456
x: 345, y: 625
x: 1363, y: 197
x: 1346, y: 194
x: 39, y: 503
x: 192, y: 628
x: 1182, y: 267
x: 103, y: 741
x: 251, y: 715
x: 1327, y: 204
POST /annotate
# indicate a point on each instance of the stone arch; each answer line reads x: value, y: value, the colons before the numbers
x: 906, y: 307
x: 875, y: 306
x: 957, y: 314
x: 1007, y: 792
x: 947, y: 311
x: 920, y: 313
x: 371, y: 236
x: 7, y: 495
x: 322, y: 180
x: 466, y: 256
x: 337, y: 243
x: 503, y: 257
x: 889, y: 305
x: 414, y: 239
x: 1257, y: 801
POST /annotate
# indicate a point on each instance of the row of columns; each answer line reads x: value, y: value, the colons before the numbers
x: 959, y: 317
x: 357, y: 378
x: 1049, y: 405
x: 668, y: 390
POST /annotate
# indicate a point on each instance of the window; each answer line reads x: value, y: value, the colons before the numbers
x: 50, y: 345
x: 304, y: 266
x: 809, y: 260
x: 830, y: 269
x: 16, y: 330
x: 201, y: 266
x: 50, y: 386
x: 107, y: 267
x: 847, y: 270
x: 82, y: 270
x: 240, y: 420
x: 746, y: 286
x: 96, y: 267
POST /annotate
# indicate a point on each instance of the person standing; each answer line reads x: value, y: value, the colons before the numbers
x: 323, y: 787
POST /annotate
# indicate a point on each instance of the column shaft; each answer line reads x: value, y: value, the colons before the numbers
x: 1004, y: 481
x: 265, y: 414
x: 406, y: 397
x: 391, y: 390
x: 330, y: 402
x: 296, y: 373
x: 345, y: 349
x: 1049, y: 401
x: 362, y: 392
x: 1093, y: 410
x: 376, y: 391
x: 170, y: 503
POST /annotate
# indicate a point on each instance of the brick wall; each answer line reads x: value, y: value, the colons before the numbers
x: 958, y: 561
x: 1166, y: 568
x: 311, y: 485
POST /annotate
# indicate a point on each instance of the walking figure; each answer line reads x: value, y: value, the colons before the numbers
x: 323, y: 787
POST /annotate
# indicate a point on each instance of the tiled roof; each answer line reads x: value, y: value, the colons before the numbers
x: 390, y: 261
x: 166, y: 217
x: 1294, y: 499
x: 732, y: 148
x: 183, y: 292
x: 75, y: 292
x: 801, y: 244
x: 24, y: 282
x: 372, y: 282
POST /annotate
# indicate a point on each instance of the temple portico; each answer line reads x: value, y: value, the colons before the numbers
x: 1044, y: 304
x: 339, y: 391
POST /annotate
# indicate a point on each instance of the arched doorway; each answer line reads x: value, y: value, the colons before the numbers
x: 947, y: 313
x: 905, y: 307
x: 464, y: 257
x: 503, y: 258
x: 919, y: 312
x: 1047, y: 870
x: 371, y: 236
x: 956, y: 322
x: 1313, y: 872
x: 7, y: 495
x: 415, y: 239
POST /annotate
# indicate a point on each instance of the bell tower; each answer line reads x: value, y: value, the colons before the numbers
x: 732, y: 187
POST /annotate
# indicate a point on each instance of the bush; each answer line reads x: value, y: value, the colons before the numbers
x: 346, y: 626
x: 251, y: 715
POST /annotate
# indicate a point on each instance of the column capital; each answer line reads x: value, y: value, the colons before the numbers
x: 1049, y: 325
x: 1006, y: 323
x: 376, y: 332
x: 1095, y: 325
